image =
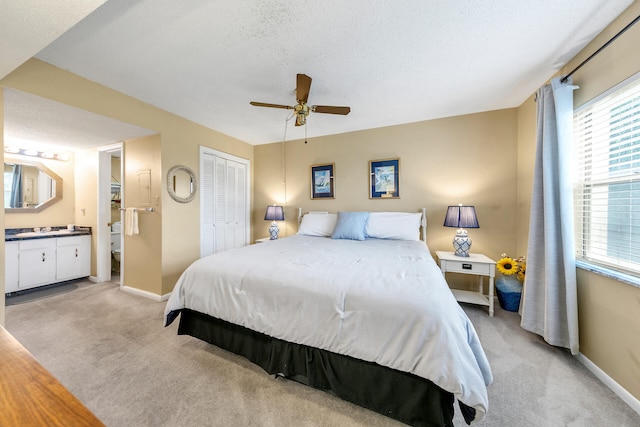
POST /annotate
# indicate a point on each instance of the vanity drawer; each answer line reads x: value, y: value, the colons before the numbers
x: 70, y: 240
x: 26, y: 245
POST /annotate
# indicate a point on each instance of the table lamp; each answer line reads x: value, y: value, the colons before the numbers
x: 274, y: 213
x: 461, y: 217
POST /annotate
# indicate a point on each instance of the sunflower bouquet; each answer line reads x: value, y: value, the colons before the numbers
x: 512, y: 266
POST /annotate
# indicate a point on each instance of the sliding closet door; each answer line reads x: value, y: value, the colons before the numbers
x: 207, y: 241
x: 221, y: 197
x: 235, y: 206
x: 224, y: 206
x: 241, y: 229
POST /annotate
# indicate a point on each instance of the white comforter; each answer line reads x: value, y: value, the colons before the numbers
x: 382, y: 301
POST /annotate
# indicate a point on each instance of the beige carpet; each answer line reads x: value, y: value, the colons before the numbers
x: 110, y: 349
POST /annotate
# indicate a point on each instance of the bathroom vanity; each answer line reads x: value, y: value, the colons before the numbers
x: 41, y: 258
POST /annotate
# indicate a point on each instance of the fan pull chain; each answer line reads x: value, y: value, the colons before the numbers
x: 284, y: 161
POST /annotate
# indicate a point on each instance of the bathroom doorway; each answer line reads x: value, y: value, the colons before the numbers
x: 110, y: 201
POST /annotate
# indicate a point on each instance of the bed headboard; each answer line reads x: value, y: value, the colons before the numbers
x: 423, y: 221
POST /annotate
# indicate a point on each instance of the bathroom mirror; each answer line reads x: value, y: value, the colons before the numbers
x: 181, y: 184
x: 29, y: 187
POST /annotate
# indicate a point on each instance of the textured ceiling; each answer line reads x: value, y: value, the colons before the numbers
x: 32, y: 122
x: 28, y: 26
x: 391, y: 62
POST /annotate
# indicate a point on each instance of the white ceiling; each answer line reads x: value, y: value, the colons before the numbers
x: 391, y: 62
x: 32, y: 121
x: 28, y: 26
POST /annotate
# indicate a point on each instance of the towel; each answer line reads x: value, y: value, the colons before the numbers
x: 131, y: 221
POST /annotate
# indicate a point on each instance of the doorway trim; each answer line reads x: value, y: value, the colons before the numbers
x: 103, y: 226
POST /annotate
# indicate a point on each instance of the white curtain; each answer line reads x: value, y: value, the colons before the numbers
x: 549, y: 301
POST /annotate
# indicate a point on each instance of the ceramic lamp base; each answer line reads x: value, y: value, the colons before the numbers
x: 462, y: 243
x: 273, y: 231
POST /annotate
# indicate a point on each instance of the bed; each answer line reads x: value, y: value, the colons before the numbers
x: 353, y: 304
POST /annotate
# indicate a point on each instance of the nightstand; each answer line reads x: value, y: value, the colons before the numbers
x: 264, y: 239
x: 476, y: 264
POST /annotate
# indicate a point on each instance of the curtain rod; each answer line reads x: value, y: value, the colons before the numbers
x: 564, y: 79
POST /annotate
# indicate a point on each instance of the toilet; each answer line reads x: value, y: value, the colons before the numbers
x: 116, y: 229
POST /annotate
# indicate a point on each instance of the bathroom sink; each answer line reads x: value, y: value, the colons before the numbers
x: 43, y: 233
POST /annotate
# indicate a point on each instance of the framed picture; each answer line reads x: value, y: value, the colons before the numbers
x: 322, y: 181
x: 384, y: 179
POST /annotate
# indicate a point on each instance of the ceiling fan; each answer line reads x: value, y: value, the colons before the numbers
x: 301, y: 109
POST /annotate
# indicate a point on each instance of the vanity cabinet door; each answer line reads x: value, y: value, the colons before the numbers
x: 85, y: 247
x: 11, y: 271
x: 73, y: 258
x: 37, y: 263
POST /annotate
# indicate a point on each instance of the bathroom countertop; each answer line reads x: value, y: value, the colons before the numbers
x: 14, y: 234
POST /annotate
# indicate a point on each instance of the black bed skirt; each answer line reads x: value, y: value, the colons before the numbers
x: 398, y: 395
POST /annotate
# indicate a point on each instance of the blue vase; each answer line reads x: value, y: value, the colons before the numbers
x: 509, y: 290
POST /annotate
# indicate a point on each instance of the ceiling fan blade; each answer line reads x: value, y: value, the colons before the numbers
x: 330, y: 109
x: 262, y: 104
x: 303, y: 85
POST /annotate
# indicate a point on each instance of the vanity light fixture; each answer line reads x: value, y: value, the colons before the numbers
x: 64, y: 157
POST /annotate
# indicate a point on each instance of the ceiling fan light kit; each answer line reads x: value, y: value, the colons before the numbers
x: 302, y: 109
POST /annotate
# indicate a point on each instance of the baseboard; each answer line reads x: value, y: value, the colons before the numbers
x: 620, y: 391
x: 142, y: 293
x: 146, y: 294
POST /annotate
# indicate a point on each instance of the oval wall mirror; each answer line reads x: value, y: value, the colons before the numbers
x: 181, y: 184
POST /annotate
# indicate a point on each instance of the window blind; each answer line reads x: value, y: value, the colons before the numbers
x: 606, y: 179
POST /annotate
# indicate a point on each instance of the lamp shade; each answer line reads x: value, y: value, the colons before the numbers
x: 274, y: 213
x: 461, y: 217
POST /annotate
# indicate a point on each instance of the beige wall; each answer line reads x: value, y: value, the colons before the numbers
x: 608, y: 310
x: 467, y: 159
x: 143, y: 252
x: 525, y: 162
x: 179, y: 144
x: 85, y: 207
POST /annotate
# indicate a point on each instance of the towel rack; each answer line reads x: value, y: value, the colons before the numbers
x: 141, y: 209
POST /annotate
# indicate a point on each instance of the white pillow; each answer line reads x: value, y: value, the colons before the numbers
x: 394, y: 225
x: 321, y: 225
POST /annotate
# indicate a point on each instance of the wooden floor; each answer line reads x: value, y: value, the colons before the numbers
x: 31, y: 396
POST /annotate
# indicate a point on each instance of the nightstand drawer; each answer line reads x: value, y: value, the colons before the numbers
x: 468, y: 267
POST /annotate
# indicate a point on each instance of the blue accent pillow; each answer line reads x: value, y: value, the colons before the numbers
x: 350, y: 225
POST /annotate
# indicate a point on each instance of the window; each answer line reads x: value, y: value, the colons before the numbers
x: 606, y: 181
